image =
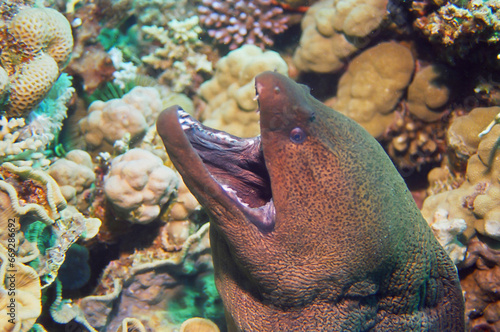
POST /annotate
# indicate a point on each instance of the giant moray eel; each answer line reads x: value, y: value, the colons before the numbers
x: 312, y: 228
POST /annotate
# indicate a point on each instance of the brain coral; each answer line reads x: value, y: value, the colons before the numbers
x: 373, y: 84
x: 330, y: 29
x: 230, y: 93
x: 44, y: 29
x: 109, y: 121
x: 40, y: 46
x: 138, y: 185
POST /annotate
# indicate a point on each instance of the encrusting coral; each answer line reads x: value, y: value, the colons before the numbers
x: 138, y: 185
x: 239, y: 22
x: 463, y: 133
x: 370, y: 89
x: 230, y: 94
x: 330, y: 29
x: 38, y: 42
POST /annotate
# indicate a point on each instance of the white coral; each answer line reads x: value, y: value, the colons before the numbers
x: 446, y: 231
x: 139, y: 185
x: 112, y: 120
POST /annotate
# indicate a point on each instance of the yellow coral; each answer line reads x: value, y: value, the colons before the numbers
x: 428, y: 93
x: 330, y: 29
x: 476, y: 201
x: 230, y: 93
x: 44, y: 29
x: 463, y: 134
x: 31, y: 84
x: 27, y: 297
x: 47, y: 42
x: 373, y: 84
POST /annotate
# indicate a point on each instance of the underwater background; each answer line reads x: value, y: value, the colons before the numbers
x: 96, y: 222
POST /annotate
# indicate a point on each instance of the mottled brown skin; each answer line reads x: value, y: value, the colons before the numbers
x: 349, y: 249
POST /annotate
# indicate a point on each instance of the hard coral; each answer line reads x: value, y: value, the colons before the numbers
x: 373, y: 84
x: 476, y: 200
x: 330, y: 29
x: 74, y: 174
x: 238, y: 22
x: 139, y: 185
x: 38, y: 42
x: 27, y: 294
x: 110, y: 121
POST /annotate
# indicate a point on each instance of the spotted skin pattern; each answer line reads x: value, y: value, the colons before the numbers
x: 349, y: 249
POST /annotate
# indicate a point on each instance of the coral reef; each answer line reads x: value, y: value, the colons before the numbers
x: 463, y: 135
x: 179, y: 57
x: 373, y: 84
x: 138, y: 185
x: 230, y: 93
x: 461, y: 25
x: 239, y: 22
x: 330, y: 29
x: 153, y: 280
x: 37, y: 44
x: 30, y: 203
x: 74, y: 174
x: 480, y: 282
x: 25, y: 284
x: 380, y: 62
x: 109, y: 121
x: 476, y: 199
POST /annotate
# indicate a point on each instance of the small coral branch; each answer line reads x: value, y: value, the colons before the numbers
x: 238, y: 22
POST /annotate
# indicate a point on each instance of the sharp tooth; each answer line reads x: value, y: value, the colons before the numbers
x: 256, y: 97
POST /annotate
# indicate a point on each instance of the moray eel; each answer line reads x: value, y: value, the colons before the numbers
x: 312, y: 228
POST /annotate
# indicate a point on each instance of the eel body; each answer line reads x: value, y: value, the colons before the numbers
x: 312, y: 227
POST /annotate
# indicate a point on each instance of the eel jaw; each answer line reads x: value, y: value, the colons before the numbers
x: 235, y: 164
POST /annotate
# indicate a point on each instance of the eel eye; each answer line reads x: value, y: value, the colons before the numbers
x: 297, y: 135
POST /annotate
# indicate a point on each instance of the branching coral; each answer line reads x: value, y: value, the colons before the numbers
x: 239, y: 22
x: 38, y: 42
x: 139, y: 185
x: 230, y: 93
x: 179, y: 56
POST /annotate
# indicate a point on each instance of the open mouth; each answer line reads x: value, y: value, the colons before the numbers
x: 237, y: 165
